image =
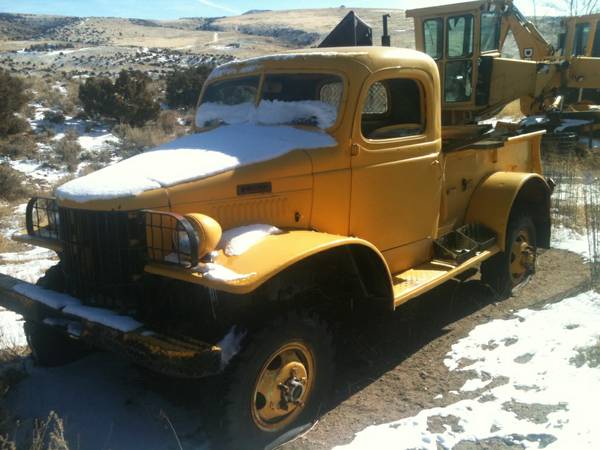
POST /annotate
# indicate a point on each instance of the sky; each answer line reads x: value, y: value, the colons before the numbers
x: 172, y: 9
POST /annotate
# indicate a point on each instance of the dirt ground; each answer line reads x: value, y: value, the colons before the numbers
x: 395, y: 368
x: 391, y: 369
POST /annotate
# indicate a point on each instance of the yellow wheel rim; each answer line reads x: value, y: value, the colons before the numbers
x: 522, y: 257
x: 284, y: 385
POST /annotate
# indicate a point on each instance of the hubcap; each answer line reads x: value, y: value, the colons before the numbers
x: 283, y: 386
x: 522, y: 257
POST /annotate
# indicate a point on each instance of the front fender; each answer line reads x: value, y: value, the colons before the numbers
x: 494, y: 199
x: 265, y: 259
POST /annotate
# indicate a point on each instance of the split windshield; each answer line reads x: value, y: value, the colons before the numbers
x: 286, y: 99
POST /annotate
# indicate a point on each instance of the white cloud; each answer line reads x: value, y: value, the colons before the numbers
x: 219, y: 6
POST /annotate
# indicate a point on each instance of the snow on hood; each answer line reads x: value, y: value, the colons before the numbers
x: 268, y: 112
x: 191, y: 158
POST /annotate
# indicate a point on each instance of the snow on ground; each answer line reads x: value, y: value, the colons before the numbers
x: 546, y: 367
x: 106, y: 402
x: 28, y: 266
x: 93, y: 137
x: 567, y: 239
x: 524, y: 368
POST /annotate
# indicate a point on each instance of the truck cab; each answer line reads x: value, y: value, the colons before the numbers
x: 316, y: 184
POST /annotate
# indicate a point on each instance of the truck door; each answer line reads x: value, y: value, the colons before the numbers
x: 396, y: 173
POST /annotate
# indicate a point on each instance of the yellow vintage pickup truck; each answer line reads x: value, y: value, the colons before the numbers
x: 317, y: 184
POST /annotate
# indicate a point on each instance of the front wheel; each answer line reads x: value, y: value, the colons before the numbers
x: 51, y: 348
x: 276, y: 385
x: 506, y: 270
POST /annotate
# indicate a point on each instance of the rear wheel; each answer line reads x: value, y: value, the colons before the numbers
x: 506, y: 270
x: 276, y: 385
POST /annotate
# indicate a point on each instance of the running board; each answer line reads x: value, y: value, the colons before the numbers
x: 416, y: 281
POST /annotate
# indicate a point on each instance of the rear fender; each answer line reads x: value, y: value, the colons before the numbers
x: 501, y: 193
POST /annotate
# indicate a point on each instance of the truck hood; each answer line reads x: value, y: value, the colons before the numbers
x: 191, y: 158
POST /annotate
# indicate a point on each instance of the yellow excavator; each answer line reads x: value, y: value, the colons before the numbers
x: 555, y: 87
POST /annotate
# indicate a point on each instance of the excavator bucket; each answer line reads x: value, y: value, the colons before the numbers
x: 352, y: 31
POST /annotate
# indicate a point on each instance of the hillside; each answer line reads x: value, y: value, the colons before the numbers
x: 105, y: 45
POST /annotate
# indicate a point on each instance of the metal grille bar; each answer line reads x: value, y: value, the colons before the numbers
x: 171, y: 239
x: 104, y: 253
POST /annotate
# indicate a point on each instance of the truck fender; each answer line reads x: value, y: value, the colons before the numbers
x: 501, y: 193
x: 277, y: 253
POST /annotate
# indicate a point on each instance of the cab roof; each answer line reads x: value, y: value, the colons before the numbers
x: 343, y: 59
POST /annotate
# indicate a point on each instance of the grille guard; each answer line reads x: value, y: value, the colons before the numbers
x: 169, y: 355
x: 163, y: 238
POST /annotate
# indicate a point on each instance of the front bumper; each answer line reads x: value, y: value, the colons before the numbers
x: 185, y: 358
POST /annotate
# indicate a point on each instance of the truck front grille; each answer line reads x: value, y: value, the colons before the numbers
x: 104, y: 253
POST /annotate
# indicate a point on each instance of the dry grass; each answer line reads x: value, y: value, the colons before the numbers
x: 12, y: 184
x: 136, y: 140
x: 19, y: 146
x: 576, y: 200
x: 67, y: 150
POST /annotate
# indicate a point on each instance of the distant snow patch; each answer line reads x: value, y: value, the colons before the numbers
x: 237, y: 241
x: 567, y: 239
x: 11, y: 330
x: 191, y: 158
x: 104, y: 317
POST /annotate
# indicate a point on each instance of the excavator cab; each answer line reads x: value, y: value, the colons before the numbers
x: 465, y: 39
x: 581, y: 36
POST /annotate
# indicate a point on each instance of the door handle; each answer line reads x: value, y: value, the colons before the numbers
x: 354, y: 150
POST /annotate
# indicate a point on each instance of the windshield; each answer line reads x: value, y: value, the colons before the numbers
x: 286, y: 99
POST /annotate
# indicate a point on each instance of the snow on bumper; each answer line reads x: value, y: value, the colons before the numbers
x: 110, y: 331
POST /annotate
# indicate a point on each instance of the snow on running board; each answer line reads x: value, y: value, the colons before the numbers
x: 191, y: 158
x: 104, y: 317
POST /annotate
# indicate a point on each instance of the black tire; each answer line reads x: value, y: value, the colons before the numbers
x: 49, y: 347
x: 241, y: 425
x: 54, y: 279
x: 496, y: 272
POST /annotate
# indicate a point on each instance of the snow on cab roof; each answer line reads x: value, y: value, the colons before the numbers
x: 374, y: 58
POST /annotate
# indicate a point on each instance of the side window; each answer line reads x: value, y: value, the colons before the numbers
x: 460, y: 36
x: 433, y: 37
x: 377, y: 99
x: 393, y: 109
x: 331, y: 93
x: 490, y: 32
x: 580, y: 44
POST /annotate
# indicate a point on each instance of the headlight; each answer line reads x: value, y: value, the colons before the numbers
x: 181, y: 240
x: 42, y: 218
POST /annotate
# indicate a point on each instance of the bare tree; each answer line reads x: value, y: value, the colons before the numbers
x: 574, y: 7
